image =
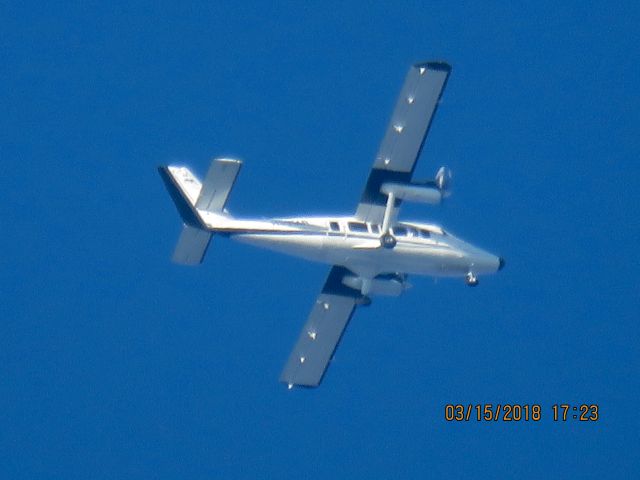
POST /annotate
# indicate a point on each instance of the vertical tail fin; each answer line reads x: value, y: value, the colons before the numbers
x: 192, y: 197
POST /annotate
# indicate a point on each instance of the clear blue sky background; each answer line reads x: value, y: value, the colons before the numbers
x: 115, y: 363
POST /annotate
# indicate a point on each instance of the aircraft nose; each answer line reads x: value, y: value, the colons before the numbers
x: 501, y: 263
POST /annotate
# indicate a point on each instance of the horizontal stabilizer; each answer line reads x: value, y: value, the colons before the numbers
x: 192, y: 245
x: 220, y: 178
x: 193, y: 198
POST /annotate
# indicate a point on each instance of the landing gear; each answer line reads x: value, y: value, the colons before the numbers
x: 388, y: 241
x: 471, y: 279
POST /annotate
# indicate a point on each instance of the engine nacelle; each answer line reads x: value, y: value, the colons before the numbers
x: 390, y: 287
x: 412, y: 193
x: 431, y: 191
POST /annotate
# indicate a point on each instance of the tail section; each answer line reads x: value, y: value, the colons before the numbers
x: 184, y: 189
x: 217, y: 185
x: 192, y: 197
x: 192, y: 246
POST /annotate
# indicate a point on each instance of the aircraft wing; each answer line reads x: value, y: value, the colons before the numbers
x: 398, y: 154
x: 321, y: 334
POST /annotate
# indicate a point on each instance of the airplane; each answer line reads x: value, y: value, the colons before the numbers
x: 370, y: 252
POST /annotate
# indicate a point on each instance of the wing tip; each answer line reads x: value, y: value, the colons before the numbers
x: 434, y: 65
x: 292, y: 384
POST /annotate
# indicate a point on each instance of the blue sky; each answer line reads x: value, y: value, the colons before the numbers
x: 115, y: 363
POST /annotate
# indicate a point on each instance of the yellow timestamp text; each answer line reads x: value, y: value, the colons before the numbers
x: 516, y: 412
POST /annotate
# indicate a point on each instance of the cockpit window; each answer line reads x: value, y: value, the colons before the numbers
x: 399, y: 231
x: 375, y: 228
x: 424, y: 233
x: 358, y: 227
x: 334, y: 226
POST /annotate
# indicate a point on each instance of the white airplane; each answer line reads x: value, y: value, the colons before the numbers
x: 370, y: 252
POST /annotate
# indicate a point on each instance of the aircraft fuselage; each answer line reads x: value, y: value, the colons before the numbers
x: 422, y: 249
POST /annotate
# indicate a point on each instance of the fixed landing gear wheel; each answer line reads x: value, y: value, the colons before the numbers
x: 471, y: 279
x: 388, y: 241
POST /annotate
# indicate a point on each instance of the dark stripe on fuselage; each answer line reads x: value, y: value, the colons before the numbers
x: 325, y: 233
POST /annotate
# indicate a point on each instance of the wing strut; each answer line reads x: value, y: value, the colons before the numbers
x: 387, y: 240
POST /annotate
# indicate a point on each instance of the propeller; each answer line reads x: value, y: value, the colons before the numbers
x: 443, y: 181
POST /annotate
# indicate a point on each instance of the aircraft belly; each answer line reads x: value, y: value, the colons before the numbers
x: 402, y: 262
x: 416, y: 259
x: 412, y: 259
x: 434, y: 261
x: 307, y: 246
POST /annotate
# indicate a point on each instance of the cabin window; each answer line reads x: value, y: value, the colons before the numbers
x: 424, y: 233
x: 400, y: 231
x: 334, y: 226
x: 375, y: 228
x: 358, y: 227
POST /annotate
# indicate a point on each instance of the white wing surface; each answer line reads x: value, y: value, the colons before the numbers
x: 395, y: 162
x: 321, y: 334
x: 398, y: 154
